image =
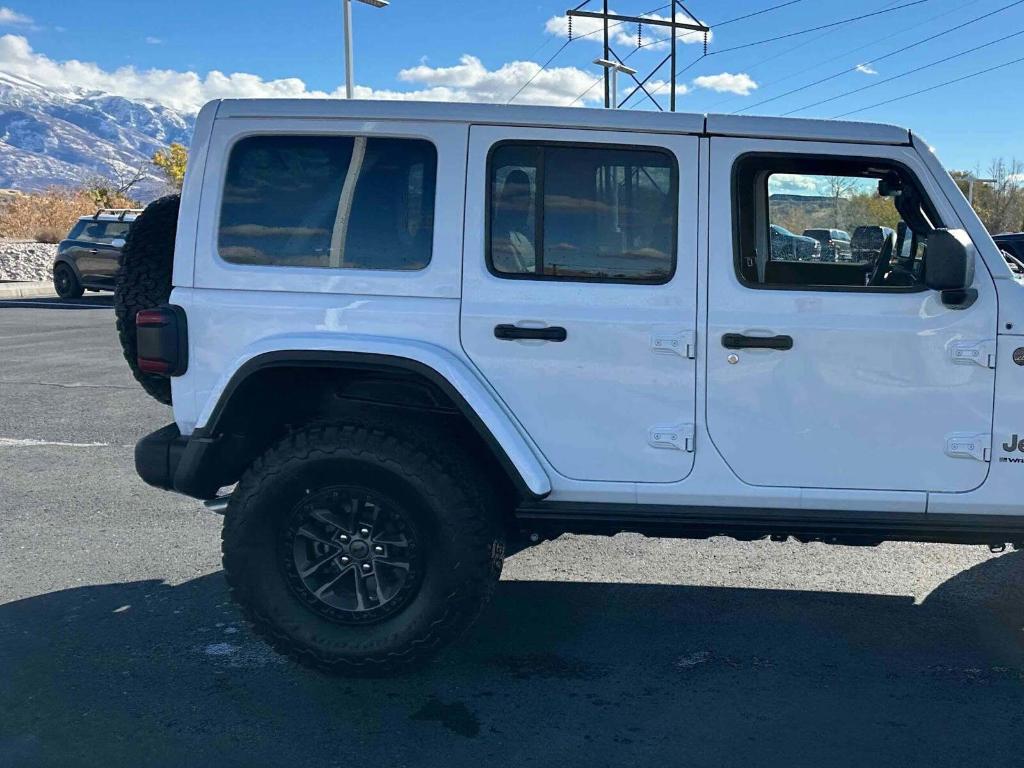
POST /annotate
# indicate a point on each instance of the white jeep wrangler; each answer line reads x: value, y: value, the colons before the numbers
x: 410, y: 333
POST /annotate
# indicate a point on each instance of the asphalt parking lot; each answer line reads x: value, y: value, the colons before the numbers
x: 119, y: 646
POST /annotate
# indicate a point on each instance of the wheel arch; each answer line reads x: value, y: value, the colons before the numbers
x: 63, y: 258
x: 444, y: 374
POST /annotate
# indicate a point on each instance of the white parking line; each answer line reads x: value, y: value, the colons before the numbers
x: 15, y: 442
x: 49, y: 303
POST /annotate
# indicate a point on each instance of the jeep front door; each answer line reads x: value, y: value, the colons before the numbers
x: 579, y: 294
x: 841, y: 375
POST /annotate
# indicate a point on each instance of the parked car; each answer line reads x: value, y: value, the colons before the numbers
x: 453, y: 337
x: 835, y: 243
x: 87, y: 258
x: 789, y: 247
x: 1012, y: 243
x: 1012, y: 246
x: 867, y: 242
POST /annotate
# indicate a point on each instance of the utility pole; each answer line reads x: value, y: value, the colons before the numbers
x: 349, y: 67
x: 610, y: 56
x: 672, y: 85
x: 607, y: 49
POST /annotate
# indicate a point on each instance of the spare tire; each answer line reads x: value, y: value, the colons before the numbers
x: 144, y: 281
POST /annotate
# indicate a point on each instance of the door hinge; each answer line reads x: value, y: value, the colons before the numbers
x: 683, y: 344
x: 969, y: 445
x: 679, y: 437
x: 981, y: 353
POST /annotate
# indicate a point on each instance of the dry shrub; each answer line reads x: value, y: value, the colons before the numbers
x: 49, y: 236
x: 42, y: 214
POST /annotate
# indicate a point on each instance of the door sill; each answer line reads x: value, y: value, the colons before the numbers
x: 552, y: 518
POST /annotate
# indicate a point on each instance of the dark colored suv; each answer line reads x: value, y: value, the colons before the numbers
x: 867, y: 242
x: 87, y: 258
x: 835, y: 243
x: 785, y: 246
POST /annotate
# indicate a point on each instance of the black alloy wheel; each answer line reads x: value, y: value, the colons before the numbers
x: 352, y: 555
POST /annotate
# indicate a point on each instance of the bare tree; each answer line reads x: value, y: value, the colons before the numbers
x: 125, y: 177
x: 1004, y: 196
x: 999, y: 202
x: 839, y: 187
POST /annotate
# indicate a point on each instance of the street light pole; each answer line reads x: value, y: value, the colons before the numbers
x: 349, y: 67
x: 614, y: 68
x: 970, y: 186
x: 349, y: 75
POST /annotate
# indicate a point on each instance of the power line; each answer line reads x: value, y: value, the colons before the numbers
x: 682, y: 71
x: 789, y: 50
x: 931, y: 88
x: 905, y: 74
x: 543, y: 67
x: 755, y: 13
x: 819, y: 28
x: 801, y: 32
x: 714, y: 25
x: 877, y: 59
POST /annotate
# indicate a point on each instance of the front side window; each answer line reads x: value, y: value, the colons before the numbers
x: 585, y: 213
x: 336, y: 202
x: 820, y: 223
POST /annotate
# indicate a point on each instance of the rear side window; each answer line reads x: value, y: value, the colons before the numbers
x: 102, y: 232
x: 585, y: 213
x: 336, y: 202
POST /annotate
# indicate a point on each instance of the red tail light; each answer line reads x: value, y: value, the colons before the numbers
x: 162, y: 341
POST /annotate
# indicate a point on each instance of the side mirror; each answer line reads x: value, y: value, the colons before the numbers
x: 949, y: 260
x: 118, y: 242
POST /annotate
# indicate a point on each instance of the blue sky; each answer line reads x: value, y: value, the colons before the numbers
x: 453, y: 49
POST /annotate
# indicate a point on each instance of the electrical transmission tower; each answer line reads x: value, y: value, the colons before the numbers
x: 616, y: 65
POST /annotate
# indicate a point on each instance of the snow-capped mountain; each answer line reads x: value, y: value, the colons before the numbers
x: 64, y: 137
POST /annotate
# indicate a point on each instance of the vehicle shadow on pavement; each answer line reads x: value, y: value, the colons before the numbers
x: 103, y: 301
x: 146, y: 673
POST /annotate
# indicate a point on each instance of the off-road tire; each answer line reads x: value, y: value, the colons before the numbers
x: 66, y: 283
x: 455, y: 509
x: 144, y: 281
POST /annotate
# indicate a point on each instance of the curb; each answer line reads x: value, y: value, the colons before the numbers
x: 27, y: 290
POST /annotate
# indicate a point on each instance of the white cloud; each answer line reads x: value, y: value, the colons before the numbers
x: 741, y: 84
x: 866, y: 69
x: 622, y: 34
x: 11, y: 18
x: 793, y: 184
x: 150, y: 40
x: 469, y: 80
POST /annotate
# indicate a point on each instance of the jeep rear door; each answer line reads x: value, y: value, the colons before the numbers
x: 821, y: 375
x: 579, y: 294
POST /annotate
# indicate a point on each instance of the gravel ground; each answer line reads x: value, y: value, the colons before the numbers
x: 26, y: 260
x: 119, y: 645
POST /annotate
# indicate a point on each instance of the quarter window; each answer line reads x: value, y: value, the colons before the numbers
x: 585, y: 213
x: 337, y: 202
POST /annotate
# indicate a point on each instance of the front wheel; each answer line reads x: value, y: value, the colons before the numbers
x: 359, y: 551
x: 66, y: 283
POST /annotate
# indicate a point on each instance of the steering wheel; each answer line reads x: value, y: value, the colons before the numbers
x: 883, y: 261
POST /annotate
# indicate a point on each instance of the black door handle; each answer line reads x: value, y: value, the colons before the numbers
x: 739, y: 341
x: 506, y: 331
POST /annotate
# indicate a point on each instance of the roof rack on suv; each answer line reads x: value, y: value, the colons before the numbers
x: 119, y: 212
